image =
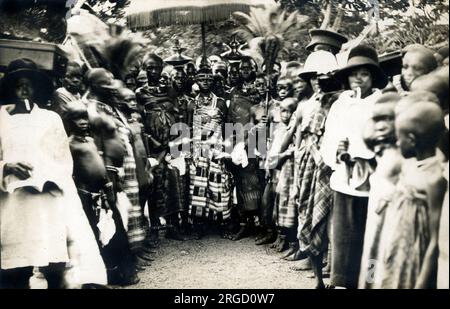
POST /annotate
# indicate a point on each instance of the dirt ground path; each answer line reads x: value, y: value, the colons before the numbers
x: 216, y: 263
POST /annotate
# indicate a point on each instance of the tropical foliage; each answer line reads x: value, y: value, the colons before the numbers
x: 267, y: 30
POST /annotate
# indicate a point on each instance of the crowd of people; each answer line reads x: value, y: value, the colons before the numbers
x: 341, y: 167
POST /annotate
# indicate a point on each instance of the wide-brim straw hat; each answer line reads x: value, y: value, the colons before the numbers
x: 364, y: 56
x: 25, y: 68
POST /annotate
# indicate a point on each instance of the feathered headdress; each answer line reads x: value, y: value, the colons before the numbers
x: 264, y: 29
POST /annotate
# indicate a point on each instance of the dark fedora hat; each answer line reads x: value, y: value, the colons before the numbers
x: 326, y: 37
x: 25, y: 68
x: 364, y: 56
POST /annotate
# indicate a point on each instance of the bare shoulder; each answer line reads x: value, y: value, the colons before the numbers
x: 435, y: 186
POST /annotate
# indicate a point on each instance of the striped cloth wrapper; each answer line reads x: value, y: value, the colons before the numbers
x: 210, y: 190
x: 286, y: 209
x: 136, y: 231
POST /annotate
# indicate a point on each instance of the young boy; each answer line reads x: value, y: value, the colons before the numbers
x: 96, y: 192
x: 411, y: 252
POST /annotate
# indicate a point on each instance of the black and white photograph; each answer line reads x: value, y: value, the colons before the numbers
x: 247, y: 146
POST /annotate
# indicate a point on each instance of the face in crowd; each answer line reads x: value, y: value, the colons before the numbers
x: 73, y: 79
x: 247, y: 71
x: 287, y: 108
x: 24, y: 89
x: 179, y: 79
x: 205, y: 82
x: 154, y: 69
x: 260, y: 86
x: 315, y: 83
x: 284, y: 88
x: 383, y: 118
x: 130, y: 82
x: 300, y: 86
x: 129, y: 98
x: 361, y: 78
x: 80, y: 122
x: 163, y: 82
x: 233, y: 75
x: 415, y: 64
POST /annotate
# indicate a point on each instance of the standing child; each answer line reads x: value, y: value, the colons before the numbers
x: 96, y: 192
x: 259, y: 117
x: 245, y: 168
x: 285, y: 208
x: 410, y: 259
x: 380, y: 138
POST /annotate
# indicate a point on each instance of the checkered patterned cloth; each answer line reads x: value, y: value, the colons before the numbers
x: 286, y: 209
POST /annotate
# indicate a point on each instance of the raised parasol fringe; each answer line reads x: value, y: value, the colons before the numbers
x: 188, y: 15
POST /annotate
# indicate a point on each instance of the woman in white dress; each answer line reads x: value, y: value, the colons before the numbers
x: 41, y: 218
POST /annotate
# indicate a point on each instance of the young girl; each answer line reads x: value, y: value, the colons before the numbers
x: 343, y: 150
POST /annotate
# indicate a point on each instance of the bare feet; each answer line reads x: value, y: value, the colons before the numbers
x: 303, y: 265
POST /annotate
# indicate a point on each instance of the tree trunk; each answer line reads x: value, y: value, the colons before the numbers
x: 327, y: 12
x: 339, y: 16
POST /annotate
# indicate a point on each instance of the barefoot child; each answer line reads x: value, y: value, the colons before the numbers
x: 259, y: 118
